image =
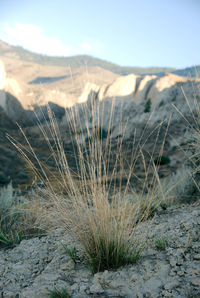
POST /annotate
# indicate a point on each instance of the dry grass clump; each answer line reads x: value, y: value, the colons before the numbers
x: 9, y: 215
x: 17, y: 218
x: 190, y: 181
x: 94, y: 207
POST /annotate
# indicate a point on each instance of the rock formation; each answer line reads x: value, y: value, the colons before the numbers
x: 139, y: 89
x: 130, y: 93
x: 9, y: 88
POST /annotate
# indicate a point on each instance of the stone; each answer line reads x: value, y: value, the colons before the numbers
x: 196, y: 257
x: 83, y: 288
x: 169, y: 286
x: 96, y: 288
x: 196, y: 282
x: 69, y: 265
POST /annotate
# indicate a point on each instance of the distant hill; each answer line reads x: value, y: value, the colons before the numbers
x: 76, y: 61
x: 193, y: 72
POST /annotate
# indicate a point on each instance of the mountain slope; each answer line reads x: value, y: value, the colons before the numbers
x: 75, y: 61
x: 193, y: 72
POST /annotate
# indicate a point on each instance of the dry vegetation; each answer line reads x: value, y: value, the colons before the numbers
x: 95, y: 207
x: 100, y: 211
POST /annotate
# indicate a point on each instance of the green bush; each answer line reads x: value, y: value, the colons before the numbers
x: 162, y: 160
x: 99, y: 133
x: 161, y: 103
x: 174, y: 99
x: 147, y: 107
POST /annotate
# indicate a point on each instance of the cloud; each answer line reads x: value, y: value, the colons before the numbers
x: 31, y: 37
x: 86, y: 46
x: 92, y: 47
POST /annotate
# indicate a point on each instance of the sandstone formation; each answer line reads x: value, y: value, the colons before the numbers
x: 88, y: 89
x: 139, y: 89
x: 9, y: 89
x: 126, y: 97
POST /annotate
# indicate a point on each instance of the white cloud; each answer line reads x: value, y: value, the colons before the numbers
x: 31, y: 37
x: 86, y: 46
x: 92, y: 47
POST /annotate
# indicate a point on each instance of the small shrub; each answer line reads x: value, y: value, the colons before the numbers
x: 160, y: 243
x: 161, y: 103
x: 56, y: 293
x: 98, y: 133
x: 162, y: 160
x: 147, y: 107
x: 174, y: 99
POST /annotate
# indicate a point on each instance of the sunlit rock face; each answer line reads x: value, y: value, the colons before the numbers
x: 138, y: 89
x: 9, y: 88
x: 162, y: 88
x: 87, y: 91
x: 122, y: 86
x: 130, y: 94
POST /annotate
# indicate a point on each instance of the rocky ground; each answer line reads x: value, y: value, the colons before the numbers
x: 40, y: 263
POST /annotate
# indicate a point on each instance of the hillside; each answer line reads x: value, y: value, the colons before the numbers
x: 35, y: 84
x: 59, y: 89
x: 75, y: 61
x: 193, y: 72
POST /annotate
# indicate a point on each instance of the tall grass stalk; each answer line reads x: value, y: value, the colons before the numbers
x: 92, y: 199
x: 192, y: 149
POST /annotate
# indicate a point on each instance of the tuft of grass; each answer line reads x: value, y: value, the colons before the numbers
x: 149, y: 205
x: 16, y: 220
x: 92, y: 203
x: 161, y: 243
x: 56, y: 293
x: 10, y: 232
x: 112, y: 255
x: 71, y: 252
x: 192, y: 143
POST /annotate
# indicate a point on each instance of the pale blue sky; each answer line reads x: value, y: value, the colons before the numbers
x: 126, y: 32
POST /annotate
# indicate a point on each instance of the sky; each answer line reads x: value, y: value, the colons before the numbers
x: 126, y: 32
